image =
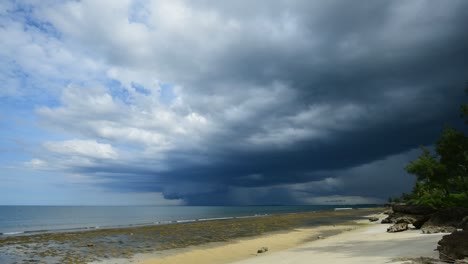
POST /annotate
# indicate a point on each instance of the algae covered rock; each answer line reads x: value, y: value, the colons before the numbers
x: 413, y: 209
x: 397, y: 228
x: 445, y: 220
x: 454, y: 246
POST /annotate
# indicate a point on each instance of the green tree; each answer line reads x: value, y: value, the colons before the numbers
x: 452, y: 148
x: 442, y: 178
x: 428, y: 170
x: 464, y: 108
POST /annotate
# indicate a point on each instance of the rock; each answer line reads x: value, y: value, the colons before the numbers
x: 405, y: 219
x: 262, y: 250
x: 413, y: 209
x: 416, y: 215
x: 391, y: 219
x: 90, y: 245
x: 388, y: 220
x: 388, y: 212
x: 319, y: 237
x: 438, y: 229
x: 398, y: 228
x: 416, y: 220
x: 454, y: 246
x: 373, y: 219
x: 445, y: 220
x: 464, y: 224
x: 420, y: 221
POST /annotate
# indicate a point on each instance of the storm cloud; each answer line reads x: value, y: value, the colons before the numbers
x: 239, y: 102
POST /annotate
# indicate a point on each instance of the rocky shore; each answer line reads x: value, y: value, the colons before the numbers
x: 453, y: 247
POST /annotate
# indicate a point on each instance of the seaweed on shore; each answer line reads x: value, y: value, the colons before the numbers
x: 87, y: 246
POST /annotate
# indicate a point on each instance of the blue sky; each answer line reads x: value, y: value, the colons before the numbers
x: 177, y: 102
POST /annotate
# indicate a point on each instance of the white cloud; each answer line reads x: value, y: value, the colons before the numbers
x: 95, y: 113
x: 314, y: 122
x: 35, y: 63
x: 37, y: 164
x: 84, y: 148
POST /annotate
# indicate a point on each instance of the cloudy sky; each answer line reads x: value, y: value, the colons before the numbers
x: 223, y: 102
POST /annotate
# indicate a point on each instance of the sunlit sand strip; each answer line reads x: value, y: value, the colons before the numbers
x: 243, y: 248
x: 365, y: 243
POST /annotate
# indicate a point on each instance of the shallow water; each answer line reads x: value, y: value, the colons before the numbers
x: 21, y: 219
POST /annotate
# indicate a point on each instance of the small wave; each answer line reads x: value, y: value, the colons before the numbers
x: 163, y: 222
x: 36, y: 231
x: 343, y: 208
x: 12, y: 233
x: 216, y: 218
x: 186, y: 221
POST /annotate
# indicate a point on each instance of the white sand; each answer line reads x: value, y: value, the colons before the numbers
x: 369, y: 243
x: 221, y: 253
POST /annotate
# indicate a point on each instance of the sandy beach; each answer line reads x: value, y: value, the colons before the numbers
x: 362, y: 243
x: 368, y: 245
x: 346, y: 237
x: 133, y: 244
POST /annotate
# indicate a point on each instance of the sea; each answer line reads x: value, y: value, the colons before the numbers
x: 23, y: 220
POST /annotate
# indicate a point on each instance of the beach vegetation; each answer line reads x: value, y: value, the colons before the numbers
x: 442, y: 174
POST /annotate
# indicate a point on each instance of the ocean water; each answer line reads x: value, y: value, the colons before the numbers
x: 35, y: 219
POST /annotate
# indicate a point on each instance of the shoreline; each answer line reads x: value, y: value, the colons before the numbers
x: 240, y: 248
x: 129, y: 226
x: 359, y: 241
x: 89, y: 227
x: 125, y: 243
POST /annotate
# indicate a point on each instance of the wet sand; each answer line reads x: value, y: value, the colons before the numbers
x: 246, y: 248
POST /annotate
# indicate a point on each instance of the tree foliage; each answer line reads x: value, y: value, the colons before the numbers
x: 442, y: 177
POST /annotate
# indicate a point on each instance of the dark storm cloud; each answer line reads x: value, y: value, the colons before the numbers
x: 299, y: 165
x: 428, y: 71
x: 302, y: 92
